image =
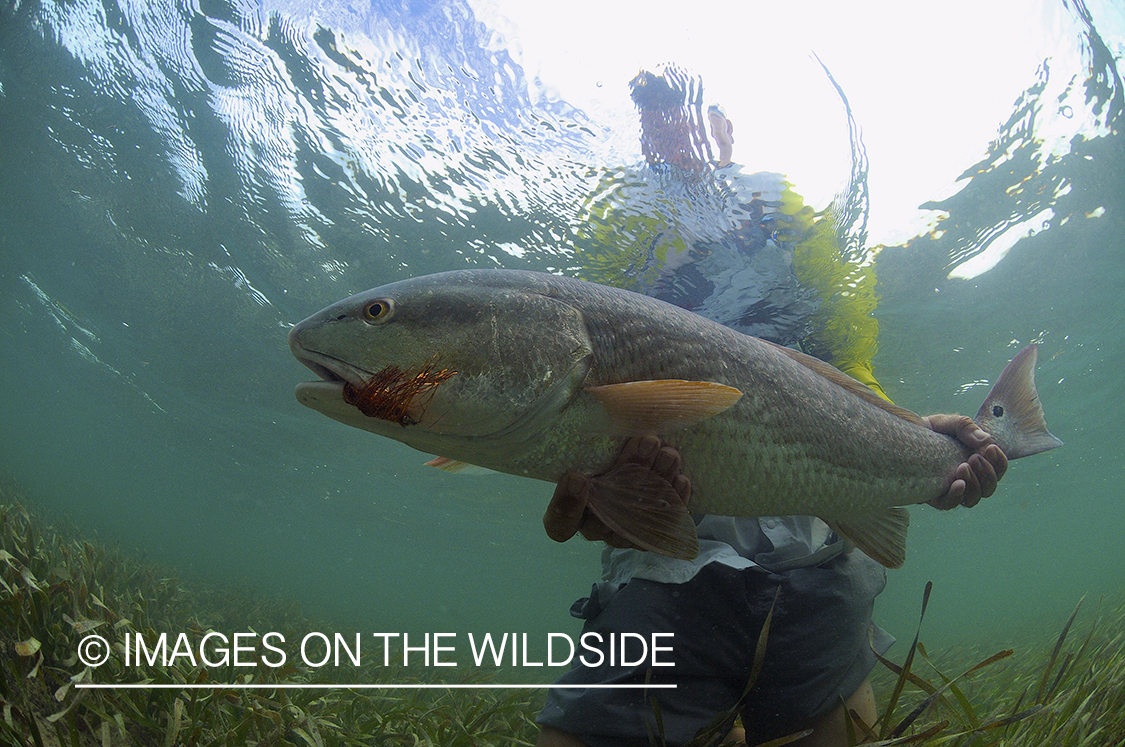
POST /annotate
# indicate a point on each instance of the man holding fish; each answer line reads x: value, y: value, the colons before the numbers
x: 820, y: 657
x: 797, y: 471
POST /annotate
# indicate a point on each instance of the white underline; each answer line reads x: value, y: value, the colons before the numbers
x: 321, y: 686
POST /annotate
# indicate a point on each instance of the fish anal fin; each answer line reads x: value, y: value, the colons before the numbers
x: 644, y: 508
x: 836, y: 376
x: 662, y: 405
x: 881, y: 536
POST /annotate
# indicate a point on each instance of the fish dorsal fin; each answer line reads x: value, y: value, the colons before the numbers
x: 659, y: 406
x: 882, y: 536
x: 644, y: 508
x: 836, y: 376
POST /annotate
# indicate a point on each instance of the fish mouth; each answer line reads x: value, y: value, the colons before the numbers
x: 329, y: 369
x: 332, y: 370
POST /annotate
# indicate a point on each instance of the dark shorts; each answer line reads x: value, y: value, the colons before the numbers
x: 819, y: 650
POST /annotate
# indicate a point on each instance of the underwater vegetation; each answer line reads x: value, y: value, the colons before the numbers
x: 56, y: 587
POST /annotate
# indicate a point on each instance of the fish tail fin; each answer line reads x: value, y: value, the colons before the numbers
x: 1012, y: 414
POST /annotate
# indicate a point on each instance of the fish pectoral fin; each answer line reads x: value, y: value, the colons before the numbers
x: 645, y: 509
x: 445, y: 464
x: 881, y: 536
x: 659, y: 406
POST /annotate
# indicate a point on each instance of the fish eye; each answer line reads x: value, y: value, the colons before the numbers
x: 379, y: 310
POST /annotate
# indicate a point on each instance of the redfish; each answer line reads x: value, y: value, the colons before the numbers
x: 536, y: 375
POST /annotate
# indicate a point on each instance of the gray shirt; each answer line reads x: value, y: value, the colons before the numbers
x: 772, y: 543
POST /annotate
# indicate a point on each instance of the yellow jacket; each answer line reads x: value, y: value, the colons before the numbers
x: 632, y: 233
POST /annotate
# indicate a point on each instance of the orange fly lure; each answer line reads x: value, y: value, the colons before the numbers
x: 391, y: 392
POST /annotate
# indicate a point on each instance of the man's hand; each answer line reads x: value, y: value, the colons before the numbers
x: 567, y: 514
x: 977, y: 477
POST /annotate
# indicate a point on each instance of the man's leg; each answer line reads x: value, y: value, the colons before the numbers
x: 829, y: 730
x: 552, y: 737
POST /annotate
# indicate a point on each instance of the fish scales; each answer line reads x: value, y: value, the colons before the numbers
x: 794, y: 443
x: 553, y: 374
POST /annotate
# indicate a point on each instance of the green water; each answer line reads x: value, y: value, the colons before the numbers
x: 180, y: 184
